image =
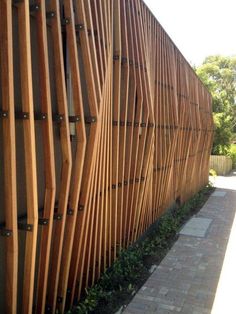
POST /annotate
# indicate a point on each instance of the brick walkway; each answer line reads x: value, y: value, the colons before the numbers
x: 186, y: 280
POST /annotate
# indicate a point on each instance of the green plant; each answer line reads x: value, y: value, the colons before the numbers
x: 168, y: 225
x: 218, y: 73
x: 122, y: 278
x: 212, y: 173
x: 232, y: 153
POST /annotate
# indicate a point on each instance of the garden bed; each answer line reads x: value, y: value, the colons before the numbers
x: 128, y: 273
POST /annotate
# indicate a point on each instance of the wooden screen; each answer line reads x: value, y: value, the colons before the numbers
x: 103, y: 126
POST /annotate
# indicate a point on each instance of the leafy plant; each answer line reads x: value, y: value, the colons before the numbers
x: 122, y: 279
x: 218, y: 73
x: 212, y: 173
x: 232, y: 154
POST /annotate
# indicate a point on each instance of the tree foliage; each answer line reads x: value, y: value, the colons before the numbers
x: 223, y: 133
x: 218, y: 73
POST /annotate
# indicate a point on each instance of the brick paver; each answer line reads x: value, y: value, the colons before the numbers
x: 187, y: 278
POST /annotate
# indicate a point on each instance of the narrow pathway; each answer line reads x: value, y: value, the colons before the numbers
x: 186, y: 281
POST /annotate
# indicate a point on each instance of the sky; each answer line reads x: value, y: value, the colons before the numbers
x: 199, y: 28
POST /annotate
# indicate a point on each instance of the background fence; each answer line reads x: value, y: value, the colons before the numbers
x: 104, y: 125
x: 221, y: 164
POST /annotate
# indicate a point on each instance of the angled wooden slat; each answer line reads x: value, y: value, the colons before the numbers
x: 95, y: 222
x: 49, y: 161
x: 79, y: 155
x: 83, y: 15
x: 99, y: 208
x: 130, y: 124
x: 123, y: 118
x: 141, y: 135
x: 137, y: 175
x: 30, y: 154
x: 59, y: 224
x: 136, y: 135
x: 149, y: 134
x: 91, y: 152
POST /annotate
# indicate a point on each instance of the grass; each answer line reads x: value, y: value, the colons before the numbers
x: 131, y: 269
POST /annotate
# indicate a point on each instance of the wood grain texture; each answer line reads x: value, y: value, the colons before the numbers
x: 30, y: 153
x: 49, y: 160
x: 128, y: 133
x: 66, y: 166
x: 9, y: 153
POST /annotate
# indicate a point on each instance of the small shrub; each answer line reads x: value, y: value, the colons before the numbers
x: 232, y: 154
x: 122, y: 278
x: 212, y: 173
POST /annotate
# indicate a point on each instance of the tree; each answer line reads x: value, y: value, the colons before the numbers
x: 218, y: 73
x: 223, y: 133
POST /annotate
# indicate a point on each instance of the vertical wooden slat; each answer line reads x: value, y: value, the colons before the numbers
x: 116, y: 116
x: 9, y: 153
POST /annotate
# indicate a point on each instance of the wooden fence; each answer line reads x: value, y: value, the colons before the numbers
x: 221, y: 164
x: 104, y: 125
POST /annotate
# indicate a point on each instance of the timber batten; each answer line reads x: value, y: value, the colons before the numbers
x: 103, y: 125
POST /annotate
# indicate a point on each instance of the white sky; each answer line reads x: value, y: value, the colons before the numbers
x: 199, y: 28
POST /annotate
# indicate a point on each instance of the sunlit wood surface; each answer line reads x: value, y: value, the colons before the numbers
x: 111, y: 128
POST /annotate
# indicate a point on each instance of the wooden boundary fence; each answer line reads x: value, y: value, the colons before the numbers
x: 221, y: 164
x: 104, y: 125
